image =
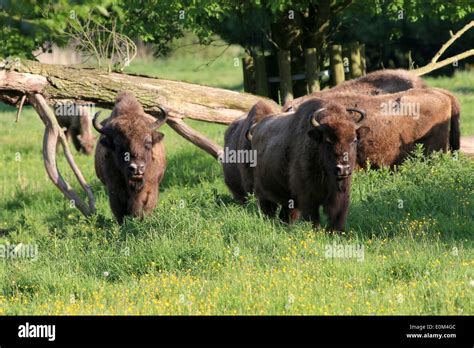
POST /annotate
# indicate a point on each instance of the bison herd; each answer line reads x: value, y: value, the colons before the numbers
x: 305, y: 152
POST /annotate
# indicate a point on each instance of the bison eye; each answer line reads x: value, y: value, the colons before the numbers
x: 356, y: 140
x: 328, y: 140
x: 148, y: 146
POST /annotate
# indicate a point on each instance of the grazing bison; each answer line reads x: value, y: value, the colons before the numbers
x: 239, y: 176
x: 130, y: 157
x: 79, y: 130
x: 305, y: 160
x: 375, y: 83
x: 399, y: 121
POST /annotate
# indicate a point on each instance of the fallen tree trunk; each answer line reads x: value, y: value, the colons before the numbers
x: 57, y: 83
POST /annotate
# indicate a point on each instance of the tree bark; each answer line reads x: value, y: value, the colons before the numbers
x: 56, y: 82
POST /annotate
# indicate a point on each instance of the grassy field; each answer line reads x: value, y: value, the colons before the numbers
x: 200, y: 253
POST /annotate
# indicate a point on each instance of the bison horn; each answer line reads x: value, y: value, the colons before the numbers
x: 95, y: 122
x: 361, y: 112
x: 249, y: 135
x: 161, y: 120
x: 313, y: 118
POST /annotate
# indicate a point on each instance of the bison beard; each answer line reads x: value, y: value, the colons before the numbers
x: 135, y: 185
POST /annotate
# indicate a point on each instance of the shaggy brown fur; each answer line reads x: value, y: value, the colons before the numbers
x: 375, y: 83
x: 389, y: 138
x: 455, y: 125
x: 130, y: 158
x: 304, y: 166
x: 79, y: 130
x: 239, y: 176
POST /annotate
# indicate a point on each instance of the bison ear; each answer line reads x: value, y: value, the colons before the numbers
x: 157, y: 137
x: 316, y: 134
x: 362, y: 131
x: 107, y: 142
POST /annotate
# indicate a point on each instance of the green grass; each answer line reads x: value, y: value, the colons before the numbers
x: 200, y: 253
x: 211, y: 66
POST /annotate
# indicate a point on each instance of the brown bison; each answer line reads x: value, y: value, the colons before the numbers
x: 399, y: 121
x: 375, y: 83
x: 130, y: 157
x: 305, y: 160
x: 78, y: 130
x: 239, y: 176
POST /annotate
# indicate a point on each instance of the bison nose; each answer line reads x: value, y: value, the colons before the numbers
x: 343, y: 170
x: 136, y: 169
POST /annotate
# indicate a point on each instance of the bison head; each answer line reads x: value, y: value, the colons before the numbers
x: 130, y: 140
x: 337, y: 135
x: 87, y: 143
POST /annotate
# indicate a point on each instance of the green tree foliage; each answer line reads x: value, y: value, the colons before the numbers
x: 256, y: 25
x: 28, y: 25
x: 400, y: 33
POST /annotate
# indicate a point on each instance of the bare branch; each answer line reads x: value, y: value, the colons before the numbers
x: 104, y: 44
x: 52, y: 134
x: 20, y: 107
x: 195, y: 137
x: 451, y: 40
x: 433, y: 66
x: 213, y: 59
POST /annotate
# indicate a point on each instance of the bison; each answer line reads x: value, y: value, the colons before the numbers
x: 399, y: 121
x: 305, y: 160
x: 375, y: 83
x: 130, y: 157
x: 239, y: 176
x: 78, y: 130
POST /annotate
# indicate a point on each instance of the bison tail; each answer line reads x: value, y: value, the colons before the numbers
x: 455, y: 131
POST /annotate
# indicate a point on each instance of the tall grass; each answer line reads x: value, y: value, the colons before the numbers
x: 200, y: 253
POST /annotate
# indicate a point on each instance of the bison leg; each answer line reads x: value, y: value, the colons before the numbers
x: 75, y: 140
x: 285, y: 215
x: 337, y: 214
x: 118, y: 206
x: 289, y: 215
x: 268, y: 207
x: 312, y: 215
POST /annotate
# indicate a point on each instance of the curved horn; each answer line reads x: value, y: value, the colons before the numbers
x: 249, y: 135
x: 313, y: 118
x: 361, y: 112
x: 95, y: 122
x: 161, y: 120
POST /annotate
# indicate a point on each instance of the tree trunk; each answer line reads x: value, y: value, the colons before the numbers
x: 56, y: 82
x: 337, y: 66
